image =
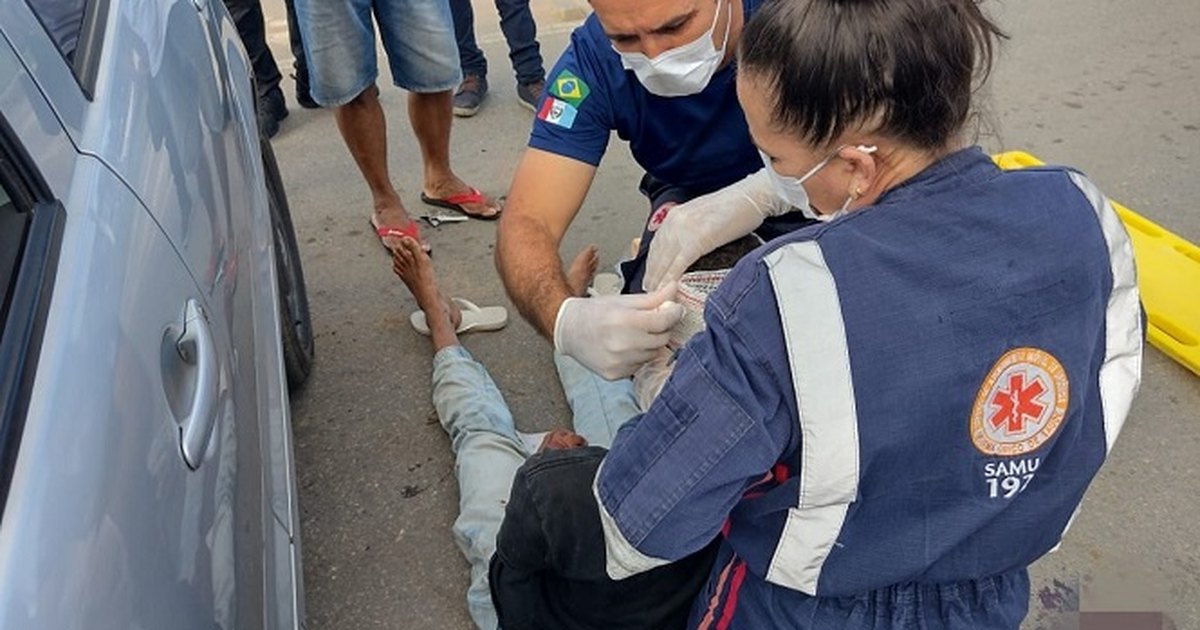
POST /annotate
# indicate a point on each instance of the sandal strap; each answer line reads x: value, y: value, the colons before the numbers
x: 468, y: 197
x: 412, y: 230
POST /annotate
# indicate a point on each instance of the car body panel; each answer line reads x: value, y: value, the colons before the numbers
x: 162, y: 182
x: 102, y: 511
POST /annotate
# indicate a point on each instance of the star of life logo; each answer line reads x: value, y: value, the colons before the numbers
x: 1021, y: 403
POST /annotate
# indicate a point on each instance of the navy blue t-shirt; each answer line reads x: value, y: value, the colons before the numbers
x: 697, y: 142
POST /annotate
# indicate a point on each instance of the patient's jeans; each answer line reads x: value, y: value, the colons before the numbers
x: 488, y: 448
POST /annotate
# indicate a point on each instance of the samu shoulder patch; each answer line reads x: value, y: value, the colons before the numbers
x: 1020, y: 404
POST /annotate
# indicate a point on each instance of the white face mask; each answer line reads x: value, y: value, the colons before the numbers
x: 791, y: 189
x: 681, y: 71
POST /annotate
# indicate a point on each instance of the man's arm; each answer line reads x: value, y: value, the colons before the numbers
x: 546, y: 194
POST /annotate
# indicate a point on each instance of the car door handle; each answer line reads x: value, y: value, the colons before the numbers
x: 197, y: 349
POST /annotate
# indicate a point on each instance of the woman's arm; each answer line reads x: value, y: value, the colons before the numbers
x: 725, y: 416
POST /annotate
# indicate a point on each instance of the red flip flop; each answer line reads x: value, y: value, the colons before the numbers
x: 456, y: 202
x: 412, y: 230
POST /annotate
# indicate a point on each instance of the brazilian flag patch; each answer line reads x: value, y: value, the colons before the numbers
x: 569, y: 88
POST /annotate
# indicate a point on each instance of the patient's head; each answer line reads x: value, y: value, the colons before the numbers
x: 726, y: 256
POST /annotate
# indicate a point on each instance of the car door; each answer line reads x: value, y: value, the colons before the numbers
x: 122, y: 506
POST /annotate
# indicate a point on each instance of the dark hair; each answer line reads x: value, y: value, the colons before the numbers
x: 908, y: 66
x: 726, y: 256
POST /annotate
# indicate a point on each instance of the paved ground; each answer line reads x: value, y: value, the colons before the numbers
x: 1105, y: 85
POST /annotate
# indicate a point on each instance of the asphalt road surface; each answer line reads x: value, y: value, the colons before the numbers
x: 1109, y: 87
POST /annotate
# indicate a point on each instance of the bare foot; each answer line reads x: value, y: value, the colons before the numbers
x: 391, y: 213
x: 415, y: 269
x: 454, y: 186
x: 561, y: 440
x: 583, y: 270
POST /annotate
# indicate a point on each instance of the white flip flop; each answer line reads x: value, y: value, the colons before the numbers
x: 474, y: 318
x: 532, y: 441
x: 605, y: 284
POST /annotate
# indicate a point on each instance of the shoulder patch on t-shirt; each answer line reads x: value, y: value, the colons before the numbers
x: 569, y: 88
x: 557, y: 112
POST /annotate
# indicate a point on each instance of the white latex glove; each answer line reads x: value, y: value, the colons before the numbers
x: 705, y: 223
x: 613, y: 335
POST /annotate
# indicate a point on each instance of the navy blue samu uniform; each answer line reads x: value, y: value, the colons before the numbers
x: 890, y: 416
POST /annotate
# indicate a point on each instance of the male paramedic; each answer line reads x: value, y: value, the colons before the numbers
x: 660, y: 73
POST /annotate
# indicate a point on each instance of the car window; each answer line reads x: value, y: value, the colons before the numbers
x: 12, y: 232
x: 63, y: 20
x: 77, y: 29
x: 31, y: 226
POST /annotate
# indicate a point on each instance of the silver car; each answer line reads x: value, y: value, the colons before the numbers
x: 153, y: 313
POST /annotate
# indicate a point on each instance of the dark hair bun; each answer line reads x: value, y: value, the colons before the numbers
x: 913, y: 65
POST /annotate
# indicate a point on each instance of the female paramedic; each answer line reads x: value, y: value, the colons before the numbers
x: 893, y: 412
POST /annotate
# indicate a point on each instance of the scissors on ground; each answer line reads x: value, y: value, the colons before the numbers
x: 435, y: 220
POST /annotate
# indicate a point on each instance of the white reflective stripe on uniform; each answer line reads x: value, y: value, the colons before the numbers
x: 621, y: 558
x: 815, y: 334
x: 1121, y: 372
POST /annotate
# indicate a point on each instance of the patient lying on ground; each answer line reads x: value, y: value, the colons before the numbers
x: 507, y: 485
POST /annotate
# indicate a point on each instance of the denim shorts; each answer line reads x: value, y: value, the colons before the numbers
x: 339, y: 43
